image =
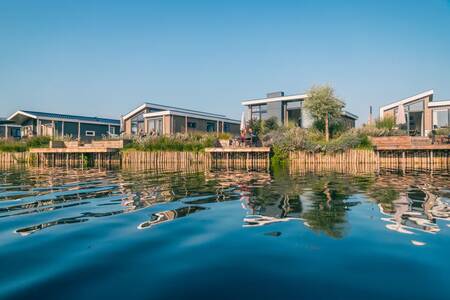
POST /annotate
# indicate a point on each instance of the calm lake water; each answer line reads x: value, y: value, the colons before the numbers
x: 152, y: 234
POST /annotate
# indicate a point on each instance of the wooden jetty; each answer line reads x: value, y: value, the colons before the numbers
x: 250, y: 158
x: 75, y: 153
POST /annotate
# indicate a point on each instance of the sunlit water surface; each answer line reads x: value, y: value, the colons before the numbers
x: 152, y: 234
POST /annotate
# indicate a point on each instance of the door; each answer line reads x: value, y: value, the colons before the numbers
x: 415, y: 123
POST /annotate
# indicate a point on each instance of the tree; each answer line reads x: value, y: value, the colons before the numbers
x: 270, y: 124
x: 323, y: 106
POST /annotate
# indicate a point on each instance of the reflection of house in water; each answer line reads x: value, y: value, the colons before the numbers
x: 417, y: 209
x: 170, y: 215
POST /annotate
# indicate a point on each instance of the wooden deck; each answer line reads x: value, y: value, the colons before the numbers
x: 74, y: 150
x: 238, y: 150
x: 413, y: 147
x: 406, y: 143
x: 59, y: 147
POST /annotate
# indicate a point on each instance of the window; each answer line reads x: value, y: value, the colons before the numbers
x: 441, y: 118
x: 295, y: 117
x: 89, y: 133
x: 226, y: 127
x: 294, y: 105
x: 137, y: 123
x: 155, y: 126
x: 192, y: 125
x: 259, y: 112
x: 210, y: 126
x: 416, y: 106
x: 294, y: 112
x: 112, y: 130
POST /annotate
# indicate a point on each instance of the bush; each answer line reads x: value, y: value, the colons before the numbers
x: 336, y: 126
x: 287, y: 139
x: 178, y: 142
x: 270, y: 124
x: 443, y: 131
x: 387, y: 122
x: 256, y: 126
x: 38, y: 142
x: 351, y: 139
x: 23, y: 145
x: 376, y: 132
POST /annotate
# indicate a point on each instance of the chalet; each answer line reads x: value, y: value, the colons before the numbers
x: 286, y: 110
x: 35, y: 123
x: 156, y: 119
x: 422, y: 113
x: 9, y: 129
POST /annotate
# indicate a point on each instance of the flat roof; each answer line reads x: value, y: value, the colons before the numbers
x: 191, y: 115
x: 166, y: 107
x: 289, y: 98
x: 439, y: 103
x: 406, y: 100
x: 275, y: 99
x: 65, y: 117
x: 350, y: 115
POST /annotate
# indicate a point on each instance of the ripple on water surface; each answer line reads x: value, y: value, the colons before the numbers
x: 248, y: 234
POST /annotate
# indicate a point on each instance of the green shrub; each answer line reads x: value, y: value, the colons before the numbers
x: 256, y: 126
x: 374, y: 131
x: 443, y: 131
x: 178, y: 142
x: 287, y: 139
x: 388, y: 122
x: 352, y: 139
x: 23, y: 145
x: 270, y: 124
x: 224, y: 136
x: 336, y: 126
x: 38, y: 142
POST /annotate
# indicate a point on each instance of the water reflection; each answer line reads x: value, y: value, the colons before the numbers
x: 39, y: 199
x: 170, y: 215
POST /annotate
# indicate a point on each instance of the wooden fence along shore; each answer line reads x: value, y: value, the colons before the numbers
x: 359, y: 160
x: 15, y: 158
x: 402, y: 160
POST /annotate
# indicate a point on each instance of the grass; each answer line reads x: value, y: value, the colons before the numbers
x: 24, y: 144
x: 179, y: 142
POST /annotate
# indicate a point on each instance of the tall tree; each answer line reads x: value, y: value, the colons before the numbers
x: 323, y: 106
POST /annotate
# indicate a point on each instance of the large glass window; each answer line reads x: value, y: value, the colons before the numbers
x: 155, y: 126
x: 416, y: 106
x: 294, y: 112
x: 259, y: 112
x: 441, y: 118
x: 137, y: 124
x: 210, y: 126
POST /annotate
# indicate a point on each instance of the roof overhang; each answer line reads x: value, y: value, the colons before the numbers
x: 275, y: 99
x: 189, y: 115
x: 18, y: 117
x: 164, y: 108
x: 439, y: 103
x: 349, y: 115
x: 406, y: 100
x: 19, y: 112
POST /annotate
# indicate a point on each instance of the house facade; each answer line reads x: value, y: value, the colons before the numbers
x: 287, y: 110
x: 9, y: 129
x: 83, y: 128
x: 422, y: 113
x: 156, y: 119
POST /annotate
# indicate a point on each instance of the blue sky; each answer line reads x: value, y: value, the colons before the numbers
x: 104, y: 58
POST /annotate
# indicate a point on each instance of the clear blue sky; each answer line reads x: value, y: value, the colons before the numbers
x: 104, y: 58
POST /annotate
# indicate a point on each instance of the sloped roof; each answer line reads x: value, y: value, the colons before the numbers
x: 47, y: 115
x: 166, y: 107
